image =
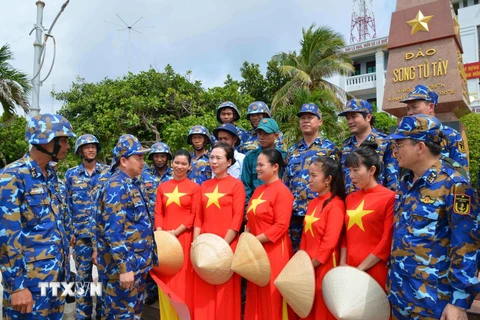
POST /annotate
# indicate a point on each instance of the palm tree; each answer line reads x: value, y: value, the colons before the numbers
x: 14, y: 85
x: 289, y: 124
x: 320, y: 57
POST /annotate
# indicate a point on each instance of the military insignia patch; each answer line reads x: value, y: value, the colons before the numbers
x: 431, y: 177
x: 427, y: 200
x: 148, y: 184
x: 461, y: 146
x: 264, y: 120
x: 254, y: 107
x: 461, y: 204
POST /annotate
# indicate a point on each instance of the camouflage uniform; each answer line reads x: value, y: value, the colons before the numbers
x: 435, y: 238
x: 455, y: 148
x: 251, y: 141
x: 296, y: 174
x: 81, y: 188
x: 151, y: 179
x: 200, y: 171
x: 33, y: 239
x: 389, y: 175
x: 125, y: 237
x: 242, y: 133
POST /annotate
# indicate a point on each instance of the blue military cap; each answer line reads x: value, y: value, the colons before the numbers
x: 198, y: 130
x: 356, y: 105
x: 309, y: 108
x: 258, y: 107
x: 268, y: 125
x: 160, y: 147
x: 229, y: 128
x: 43, y: 128
x: 127, y: 146
x: 228, y: 104
x: 419, y: 127
x: 86, y: 139
x: 421, y: 92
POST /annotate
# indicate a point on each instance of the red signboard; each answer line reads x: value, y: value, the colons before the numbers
x: 472, y: 70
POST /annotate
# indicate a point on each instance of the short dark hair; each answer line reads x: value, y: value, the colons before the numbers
x: 365, y: 154
x: 183, y: 153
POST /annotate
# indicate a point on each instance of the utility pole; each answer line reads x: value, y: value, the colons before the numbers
x: 41, y: 36
x: 37, y: 48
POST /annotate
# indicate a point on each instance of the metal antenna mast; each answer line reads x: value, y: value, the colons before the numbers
x: 130, y: 28
x: 363, y: 21
x: 41, y: 37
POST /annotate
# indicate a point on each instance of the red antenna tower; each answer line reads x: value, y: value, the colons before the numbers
x: 363, y: 21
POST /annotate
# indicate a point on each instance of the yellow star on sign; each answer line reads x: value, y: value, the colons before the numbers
x: 357, y: 215
x: 255, y: 203
x: 420, y: 23
x: 309, y: 220
x: 213, y: 197
x: 174, y: 197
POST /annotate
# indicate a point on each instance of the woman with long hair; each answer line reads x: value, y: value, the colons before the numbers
x: 268, y: 213
x: 369, y: 218
x: 223, y: 203
x: 323, y: 224
x: 178, y: 202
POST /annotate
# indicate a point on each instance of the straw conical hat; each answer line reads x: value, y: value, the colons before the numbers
x: 251, y: 261
x: 211, y: 258
x: 351, y: 294
x: 170, y: 253
x: 296, y: 283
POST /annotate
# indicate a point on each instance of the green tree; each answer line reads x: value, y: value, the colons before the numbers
x: 470, y: 122
x: 253, y: 82
x: 289, y: 124
x: 320, y: 57
x: 12, y: 138
x: 384, y: 122
x: 14, y: 85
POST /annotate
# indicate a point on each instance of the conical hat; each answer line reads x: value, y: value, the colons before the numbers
x: 211, y: 258
x: 351, y: 294
x: 296, y: 283
x: 170, y: 253
x: 251, y: 261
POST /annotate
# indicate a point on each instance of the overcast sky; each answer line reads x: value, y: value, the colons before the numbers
x: 211, y: 37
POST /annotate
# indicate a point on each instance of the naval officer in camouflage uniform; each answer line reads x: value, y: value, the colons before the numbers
x: 299, y: 158
x: 198, y: 137
x: 82, y: 183
x: 227, y: 112
x: 159, y: 172
x: 33, y: 239
x: 124, y: 233
x: 435, y: 243
x: 257, y: 111
x: 424, y: 101
x: 358, y: 114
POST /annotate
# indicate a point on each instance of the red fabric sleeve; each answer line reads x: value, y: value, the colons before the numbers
x: 159, y: 213
x: 383, y: 248
x: 333, y: 230
x: 195, y: 206
x: 238, y: 205
x: 282, y: 210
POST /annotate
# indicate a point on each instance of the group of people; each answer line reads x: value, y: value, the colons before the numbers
x: 393, y: 206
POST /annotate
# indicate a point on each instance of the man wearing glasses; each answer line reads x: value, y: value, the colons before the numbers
x: 435, y: 234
